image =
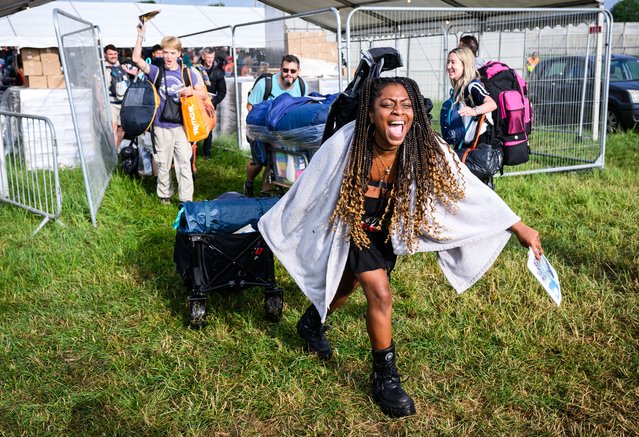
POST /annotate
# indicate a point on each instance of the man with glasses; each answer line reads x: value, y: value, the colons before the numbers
x: 268, y: 87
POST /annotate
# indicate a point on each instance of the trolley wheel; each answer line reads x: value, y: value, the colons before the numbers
x: 197, y: 313
x: 273, y: 304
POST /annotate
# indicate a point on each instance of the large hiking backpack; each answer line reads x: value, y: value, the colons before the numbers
x: 344, y: 108
x: 513, y: 117
x: 139, y: 107
x: 268, y: 85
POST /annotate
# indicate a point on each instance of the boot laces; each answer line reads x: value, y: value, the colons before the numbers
x: 317, y: 331
x: 390, y: 373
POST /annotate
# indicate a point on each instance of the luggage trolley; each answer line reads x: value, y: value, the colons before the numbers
x: 219, y: 261
x: 291, y: 130
x: 286, y: 163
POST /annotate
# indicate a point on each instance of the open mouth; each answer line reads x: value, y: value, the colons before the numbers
x: 396, y: 128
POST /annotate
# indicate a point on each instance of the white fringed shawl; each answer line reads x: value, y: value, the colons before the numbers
x: 298, y: 230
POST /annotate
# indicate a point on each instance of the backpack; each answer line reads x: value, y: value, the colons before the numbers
x: 119, y: 82
x: 344, y: 108
x: 452, y: 124
x: 268, y: 86
x: 139, y: 107
x: 513, y: 118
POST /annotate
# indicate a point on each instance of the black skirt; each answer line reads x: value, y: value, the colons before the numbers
x: 380, y: 253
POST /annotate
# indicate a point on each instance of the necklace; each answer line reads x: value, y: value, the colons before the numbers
x: 388, y: 167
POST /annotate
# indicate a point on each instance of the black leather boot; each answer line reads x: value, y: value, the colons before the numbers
x: 387, y: 388
x: 311, y: 329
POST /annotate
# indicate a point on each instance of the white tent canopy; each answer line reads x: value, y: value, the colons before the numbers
x: 346, y: 6
x: 34, y: 27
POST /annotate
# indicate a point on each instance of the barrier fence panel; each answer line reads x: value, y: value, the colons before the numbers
x: 83, y: 63
x: 305, y: 35
x: 568, y: 88
x: 29, y: 166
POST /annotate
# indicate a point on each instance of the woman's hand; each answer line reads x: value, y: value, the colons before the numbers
x: 467, y: 111
x: 141, y: 29
x: 528, y: 237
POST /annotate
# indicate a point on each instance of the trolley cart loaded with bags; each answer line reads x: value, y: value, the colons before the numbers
x: 219, y: 249
x: 291, y: 129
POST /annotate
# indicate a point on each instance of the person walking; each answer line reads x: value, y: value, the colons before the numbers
x: 473, y: 98
x: 470, y: 42
x: 117, y: 80
x: 169, y: 137
x: 212, y: 69
x: 268, y: 87
x: 384, y: 185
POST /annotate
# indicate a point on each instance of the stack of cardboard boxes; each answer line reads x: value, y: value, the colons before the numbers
x: 312, y: 45
x: 41, y: 68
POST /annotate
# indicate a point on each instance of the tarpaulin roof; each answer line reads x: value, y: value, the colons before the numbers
x: 34, y: 27
x: 345, y: 7
x: 8, y: 7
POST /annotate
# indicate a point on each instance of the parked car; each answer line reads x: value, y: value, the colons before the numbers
x: 556, y: 89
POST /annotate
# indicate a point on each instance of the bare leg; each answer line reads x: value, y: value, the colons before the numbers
x: 386, y: 382
x: 310, y: 327
x: 116, y: 140
x: 119, y: 136
x: 379, y: 311
x: 252, y: 171
x: 346, y: 286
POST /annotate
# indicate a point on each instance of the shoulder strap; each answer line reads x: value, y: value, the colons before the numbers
x: 481, y: 120
x: 158, y: 78
x: 186, y: 76
x: 302, y: 86
x: 268, y: 87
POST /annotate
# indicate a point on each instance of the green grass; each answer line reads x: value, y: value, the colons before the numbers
x: 94, y: 337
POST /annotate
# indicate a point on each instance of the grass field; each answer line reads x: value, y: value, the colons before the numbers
x: 94, y: 337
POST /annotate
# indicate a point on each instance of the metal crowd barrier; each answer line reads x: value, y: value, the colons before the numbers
x: 29, y: 166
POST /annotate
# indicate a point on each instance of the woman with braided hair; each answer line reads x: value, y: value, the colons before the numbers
x: 382, y: 186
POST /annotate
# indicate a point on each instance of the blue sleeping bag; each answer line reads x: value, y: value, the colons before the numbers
x: 257, y: 114
x: 221, y: 216
x: 256, y: 122
x: 290, y: 121
x: 288, y: 112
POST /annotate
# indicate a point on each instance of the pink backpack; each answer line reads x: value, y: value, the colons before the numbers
x: 514, y: 115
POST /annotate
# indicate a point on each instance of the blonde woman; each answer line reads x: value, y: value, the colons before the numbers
x: 470, y: 93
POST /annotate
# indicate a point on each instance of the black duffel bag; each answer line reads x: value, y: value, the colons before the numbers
x: 483, y: 160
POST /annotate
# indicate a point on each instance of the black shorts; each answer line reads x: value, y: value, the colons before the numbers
x: 258, y: 152
x: 380, y: 254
